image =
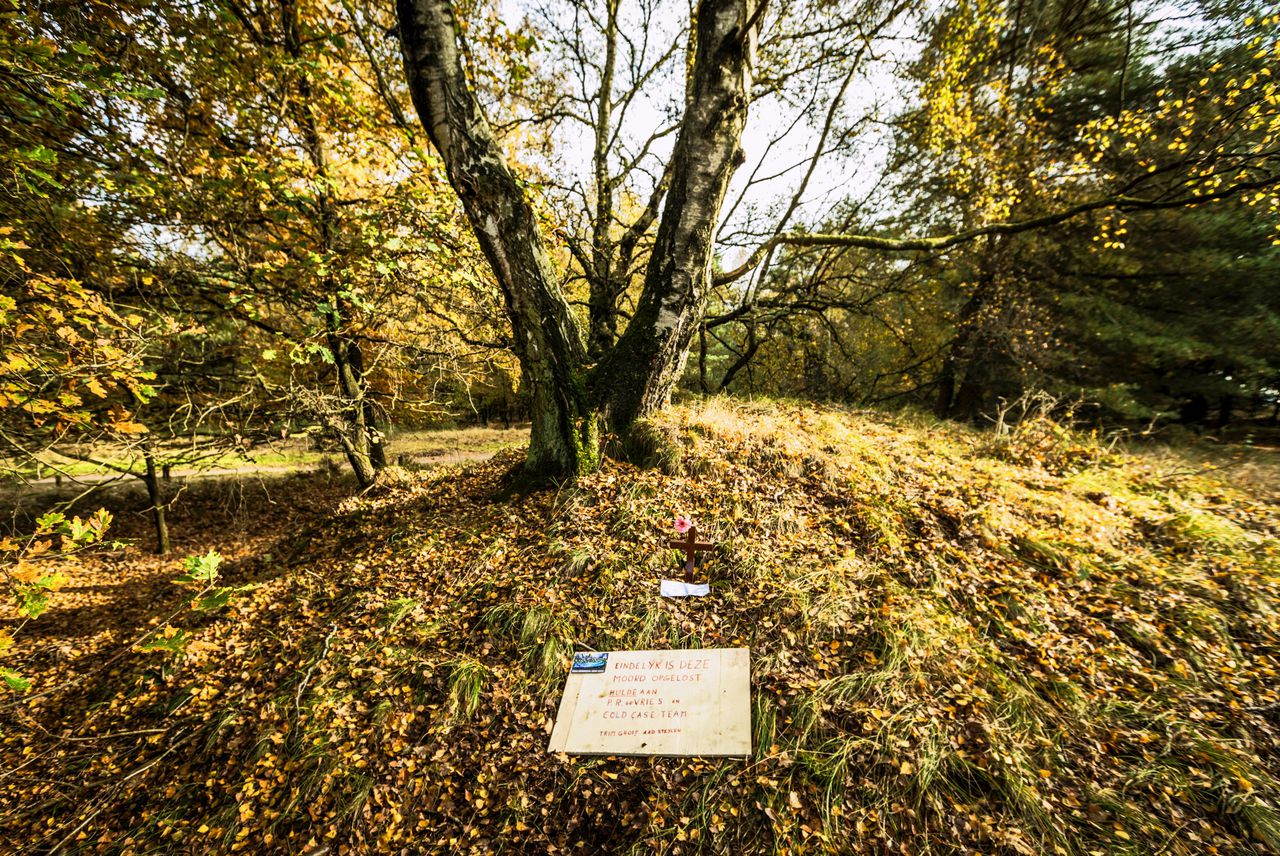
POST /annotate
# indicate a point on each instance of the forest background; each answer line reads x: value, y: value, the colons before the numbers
x: 224, y: 224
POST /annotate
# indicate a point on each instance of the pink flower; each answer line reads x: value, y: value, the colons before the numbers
x: 683, y: 524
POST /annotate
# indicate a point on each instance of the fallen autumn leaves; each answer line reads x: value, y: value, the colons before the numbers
x: 956, y: 649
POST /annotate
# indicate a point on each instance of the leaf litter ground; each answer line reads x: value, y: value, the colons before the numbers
x: 961, y: 644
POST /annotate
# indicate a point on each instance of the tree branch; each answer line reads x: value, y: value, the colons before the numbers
x: 943, y: 242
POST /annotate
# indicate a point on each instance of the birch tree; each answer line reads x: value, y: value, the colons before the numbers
x: 583, y: 375
x: 568, y: 398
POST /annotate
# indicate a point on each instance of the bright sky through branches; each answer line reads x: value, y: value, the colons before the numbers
x: 783, y: 128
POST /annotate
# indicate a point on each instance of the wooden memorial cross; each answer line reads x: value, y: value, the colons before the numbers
x: 690, y: 545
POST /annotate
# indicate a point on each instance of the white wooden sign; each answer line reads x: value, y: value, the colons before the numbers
x: 695, y: 702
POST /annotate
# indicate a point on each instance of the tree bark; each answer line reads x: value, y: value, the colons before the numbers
x: 744, y: 359
x: 361, y: 440
x: 603, y: 299
x: 156, y: 497
x: 1226, y: 404
x: 352, y: 428
x: 969, y: 398
x: 946, y: 386
x: 958, y: 357
x: 702, y: 360
x: 637, y: 376
x: 564, y: 436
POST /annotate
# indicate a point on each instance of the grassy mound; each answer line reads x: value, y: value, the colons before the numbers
x: 960, y: 644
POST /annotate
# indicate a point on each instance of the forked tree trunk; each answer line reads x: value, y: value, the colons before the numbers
x: 564, y: 436
x: 637, y: 376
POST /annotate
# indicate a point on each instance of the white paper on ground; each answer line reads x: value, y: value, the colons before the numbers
x: 676, y: 588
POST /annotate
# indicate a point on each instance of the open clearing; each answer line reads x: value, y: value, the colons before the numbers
x: 960, y: 643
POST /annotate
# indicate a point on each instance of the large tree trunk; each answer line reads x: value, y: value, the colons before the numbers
x: 547, y: 340
x: 637, y: 376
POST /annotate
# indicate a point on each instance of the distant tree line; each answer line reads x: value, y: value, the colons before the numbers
x: 226, y: 222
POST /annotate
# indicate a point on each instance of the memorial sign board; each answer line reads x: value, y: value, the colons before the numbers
x: 693, y: 702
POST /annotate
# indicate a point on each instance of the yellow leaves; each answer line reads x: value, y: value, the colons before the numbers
x: 16, y: 363
x: 25, y: 572
x: 57, y: 333
x: 125, y: 425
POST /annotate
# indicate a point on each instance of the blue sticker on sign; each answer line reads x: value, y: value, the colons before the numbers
x: 589, y: 661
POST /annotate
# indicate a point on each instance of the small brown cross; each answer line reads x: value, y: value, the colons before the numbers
x: 691, y: 545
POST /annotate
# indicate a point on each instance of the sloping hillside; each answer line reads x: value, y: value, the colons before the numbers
x: 960, y: 643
